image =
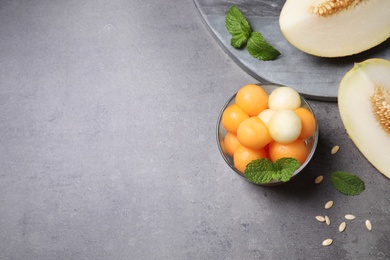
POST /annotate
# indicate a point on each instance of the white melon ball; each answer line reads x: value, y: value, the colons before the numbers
x: 284, y: 98
x: 265, y: 115
x: 284, y: 126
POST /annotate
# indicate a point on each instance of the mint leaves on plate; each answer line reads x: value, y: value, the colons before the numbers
x: 238, y: 26
x: 346, y: 183
x: 263, y: 171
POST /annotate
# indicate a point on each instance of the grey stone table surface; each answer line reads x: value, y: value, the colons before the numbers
x: 108, y: 146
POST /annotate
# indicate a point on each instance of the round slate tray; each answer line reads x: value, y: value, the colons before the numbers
x: 314, y: 77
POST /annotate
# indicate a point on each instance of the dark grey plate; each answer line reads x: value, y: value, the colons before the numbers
x: 314, y: 77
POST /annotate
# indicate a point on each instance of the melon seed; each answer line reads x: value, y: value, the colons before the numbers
x: 327, y: 220
x: 381, y: 104
x: 320, y: 218
x: 327, y: 242
x: 368, y: 224
x: 330, y: 7
x: 319, y: 179
x: 329, y: 204
x: 349, y: 217
x: 335, y: 149
x: 342, y: 226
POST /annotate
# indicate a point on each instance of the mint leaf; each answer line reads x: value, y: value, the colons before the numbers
x: 237, y: 26
x: 238, y: 41
x: 262, y: 171
x: 259, y: 171
x: 260, y: 49
x: 286, y: 168
x: 346, y: 183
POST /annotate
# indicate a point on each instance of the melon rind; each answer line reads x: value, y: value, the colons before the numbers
x: 355, y: 90
x: 346, y: 33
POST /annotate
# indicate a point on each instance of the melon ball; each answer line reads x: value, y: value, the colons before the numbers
x: 284, y: 126
x: 284, y: 98
x: 265, y: 115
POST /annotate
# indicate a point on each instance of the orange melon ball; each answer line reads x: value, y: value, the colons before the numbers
x: 253, y: 133
x: 296, y: 149
x: 231, y: 143
x: 244, y: 155
x: 252, y: 99
x: 232, y: 117
x: 308, y: 122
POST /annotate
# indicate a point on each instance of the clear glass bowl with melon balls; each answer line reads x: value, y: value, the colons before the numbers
x: 267, y: 133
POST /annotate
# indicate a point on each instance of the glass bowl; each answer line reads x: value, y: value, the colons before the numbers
x: 311, y: 142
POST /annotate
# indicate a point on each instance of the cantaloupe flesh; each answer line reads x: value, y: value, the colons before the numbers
x: 349, y: 32
x: 356, y: 111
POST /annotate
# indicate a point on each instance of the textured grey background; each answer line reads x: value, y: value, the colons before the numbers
x: 108, y: 146
x: 315, y: 77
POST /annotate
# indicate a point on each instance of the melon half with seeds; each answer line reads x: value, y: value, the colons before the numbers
x: 335, y: 28
x: 364, y: 104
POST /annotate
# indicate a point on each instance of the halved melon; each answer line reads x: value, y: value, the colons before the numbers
x: 364, y: 104
x: 335, y: 28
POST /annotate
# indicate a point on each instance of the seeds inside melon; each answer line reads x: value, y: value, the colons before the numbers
x: 335, y: 28
x: 364, y: 104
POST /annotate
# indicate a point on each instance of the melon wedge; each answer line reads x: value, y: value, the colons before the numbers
x: 317, y: 28
x: 357, y: 110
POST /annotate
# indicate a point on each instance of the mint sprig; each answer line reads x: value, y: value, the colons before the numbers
x: 241, y: 32
x: 263, y: 171
x: 347, y: 183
